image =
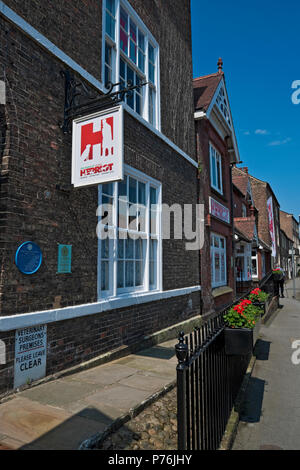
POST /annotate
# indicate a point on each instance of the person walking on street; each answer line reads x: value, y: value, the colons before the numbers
x: 280, y: 278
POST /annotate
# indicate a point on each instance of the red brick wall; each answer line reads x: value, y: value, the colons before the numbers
x: 205, y: 133
x: 36, y: 158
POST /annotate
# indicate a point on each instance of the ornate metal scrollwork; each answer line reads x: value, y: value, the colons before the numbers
x: 79, y: 100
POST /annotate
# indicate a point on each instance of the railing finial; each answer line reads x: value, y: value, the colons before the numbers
x: 181, y: 349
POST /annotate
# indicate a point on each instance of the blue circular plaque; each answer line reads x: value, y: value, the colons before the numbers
x: 29, y: 258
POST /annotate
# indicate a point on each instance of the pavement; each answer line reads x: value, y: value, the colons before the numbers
x: 289, y: 289
x: 270, y: 414
x: 61, y: 414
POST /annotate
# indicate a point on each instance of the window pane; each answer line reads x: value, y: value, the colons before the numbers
x: 132, y: 190
x: 129, y: 273
x: 108, y: 77
x: 110, y: 26
x: 129, y: 248
x: 133, y: 42
x: 213, y: 171
x: 122, y: 213
x: 219, y: 184
x: 138, y: 104
x: 153, y: 263
x: 151, y: 73
x: 217, y: 267
x: 108, y: 189
x: 121, y: 266
x: 130, y: 80
x: 110, y: 6
x: 141, y: 41
x: 142, y: 193
x: 153, y: 196
x: 138, y: 249
x: 124, y: 20
x: 151, y: 53
x: 151, y: 105
x: 105, y: 248
x: 222, y: 268
x: 104, y: 275
x: 122, y: 70
x: 120, y: 249
x: 138, y: 273
x: 124, y: 31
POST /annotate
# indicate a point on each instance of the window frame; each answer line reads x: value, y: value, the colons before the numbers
x: 254, y: 258
x: 118, y: 53
x: 247, y: 256
x: 114, y: 291
x: 215, y: 156
x: 220, y: 251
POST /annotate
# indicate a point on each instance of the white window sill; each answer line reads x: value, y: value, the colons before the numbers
x: 217, y: 292
x: 25, y: 320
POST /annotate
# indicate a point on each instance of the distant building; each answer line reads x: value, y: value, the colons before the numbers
x: 217, y: 150
x: 286, y: 245
x: 245, y: 230
x: 290, y: 225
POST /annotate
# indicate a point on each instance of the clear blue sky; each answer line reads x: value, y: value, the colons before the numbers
x: 259, y: 43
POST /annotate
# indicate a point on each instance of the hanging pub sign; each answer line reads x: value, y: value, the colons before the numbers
x: 97, y: 152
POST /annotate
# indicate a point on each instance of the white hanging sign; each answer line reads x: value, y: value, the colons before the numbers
x: 271, y: 225
x: 97, y: 151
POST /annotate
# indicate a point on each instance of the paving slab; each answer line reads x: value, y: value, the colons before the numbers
x: 61, y: 414
x: 104, y: 375
x: 60, y: 393
x: 270, y: 416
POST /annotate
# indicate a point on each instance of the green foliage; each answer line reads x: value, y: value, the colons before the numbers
x: 243, y: 315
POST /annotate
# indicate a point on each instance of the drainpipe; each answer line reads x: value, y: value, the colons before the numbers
x: 230, y: 151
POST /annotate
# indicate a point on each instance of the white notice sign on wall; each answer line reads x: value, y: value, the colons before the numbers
x: 30, y: 354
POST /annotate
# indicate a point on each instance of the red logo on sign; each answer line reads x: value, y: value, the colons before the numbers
x: 103, y: 138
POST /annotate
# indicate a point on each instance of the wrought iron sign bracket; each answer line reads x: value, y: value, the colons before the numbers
x: 80, y: 101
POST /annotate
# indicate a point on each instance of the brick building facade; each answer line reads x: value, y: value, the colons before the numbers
x: 216, y: 150
x: 246, y: 234
x: 290, y: 226
x: 268, y: 207
x: 95, y: 40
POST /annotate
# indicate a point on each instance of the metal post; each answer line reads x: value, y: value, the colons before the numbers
x: 293, y: 271
x: 181, y: 352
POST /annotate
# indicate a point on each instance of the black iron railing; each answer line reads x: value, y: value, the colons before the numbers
x: 208, y: 381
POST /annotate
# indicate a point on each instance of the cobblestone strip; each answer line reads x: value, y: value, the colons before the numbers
x: 155, y: 428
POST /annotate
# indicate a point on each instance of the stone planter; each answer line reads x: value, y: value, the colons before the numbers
x: 238, y: 341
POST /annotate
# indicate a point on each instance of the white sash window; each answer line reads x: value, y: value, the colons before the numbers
x: 218, y: 261
x: 130, y: 258
x: 131, y: 54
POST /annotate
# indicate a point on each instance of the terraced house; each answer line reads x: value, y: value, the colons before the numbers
x: 68, y: 296
x: 217, y: 152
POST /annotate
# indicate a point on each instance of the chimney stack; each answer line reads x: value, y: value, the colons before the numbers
x: 220, y: 65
